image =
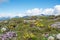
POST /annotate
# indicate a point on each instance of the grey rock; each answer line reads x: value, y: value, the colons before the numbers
x: 56, y: 25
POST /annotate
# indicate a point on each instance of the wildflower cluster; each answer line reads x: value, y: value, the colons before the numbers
x: 8, y: 35
x: 29, y: 35
x: 39, y: 24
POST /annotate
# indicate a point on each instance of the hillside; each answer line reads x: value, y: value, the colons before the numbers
x: 30, y: 27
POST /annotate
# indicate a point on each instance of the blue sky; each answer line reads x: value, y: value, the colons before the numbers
x: 21, y: 6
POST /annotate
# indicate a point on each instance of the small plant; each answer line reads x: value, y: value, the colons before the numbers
x: 3, y: 29
x: 29, y: 36
x: 8, y: 35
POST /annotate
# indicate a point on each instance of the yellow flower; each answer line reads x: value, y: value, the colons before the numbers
x: 26, y: 35
x: 32, y: 35
x: 49, y: 27
x: 10, y: 27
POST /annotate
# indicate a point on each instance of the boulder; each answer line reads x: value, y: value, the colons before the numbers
x: 56, y: 25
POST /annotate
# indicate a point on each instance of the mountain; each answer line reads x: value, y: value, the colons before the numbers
x: 4, y: 18
x: 16, y: 17
x: 7, y: 18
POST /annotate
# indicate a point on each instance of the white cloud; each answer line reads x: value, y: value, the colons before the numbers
x: 38, y: 11
x: 47, y: 11
x: 57, y: 10
x: 57, y: 7
x: 35, y: 11
x: 11, y: 14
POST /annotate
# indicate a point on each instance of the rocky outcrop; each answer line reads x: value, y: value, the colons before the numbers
x: 56, y: 25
